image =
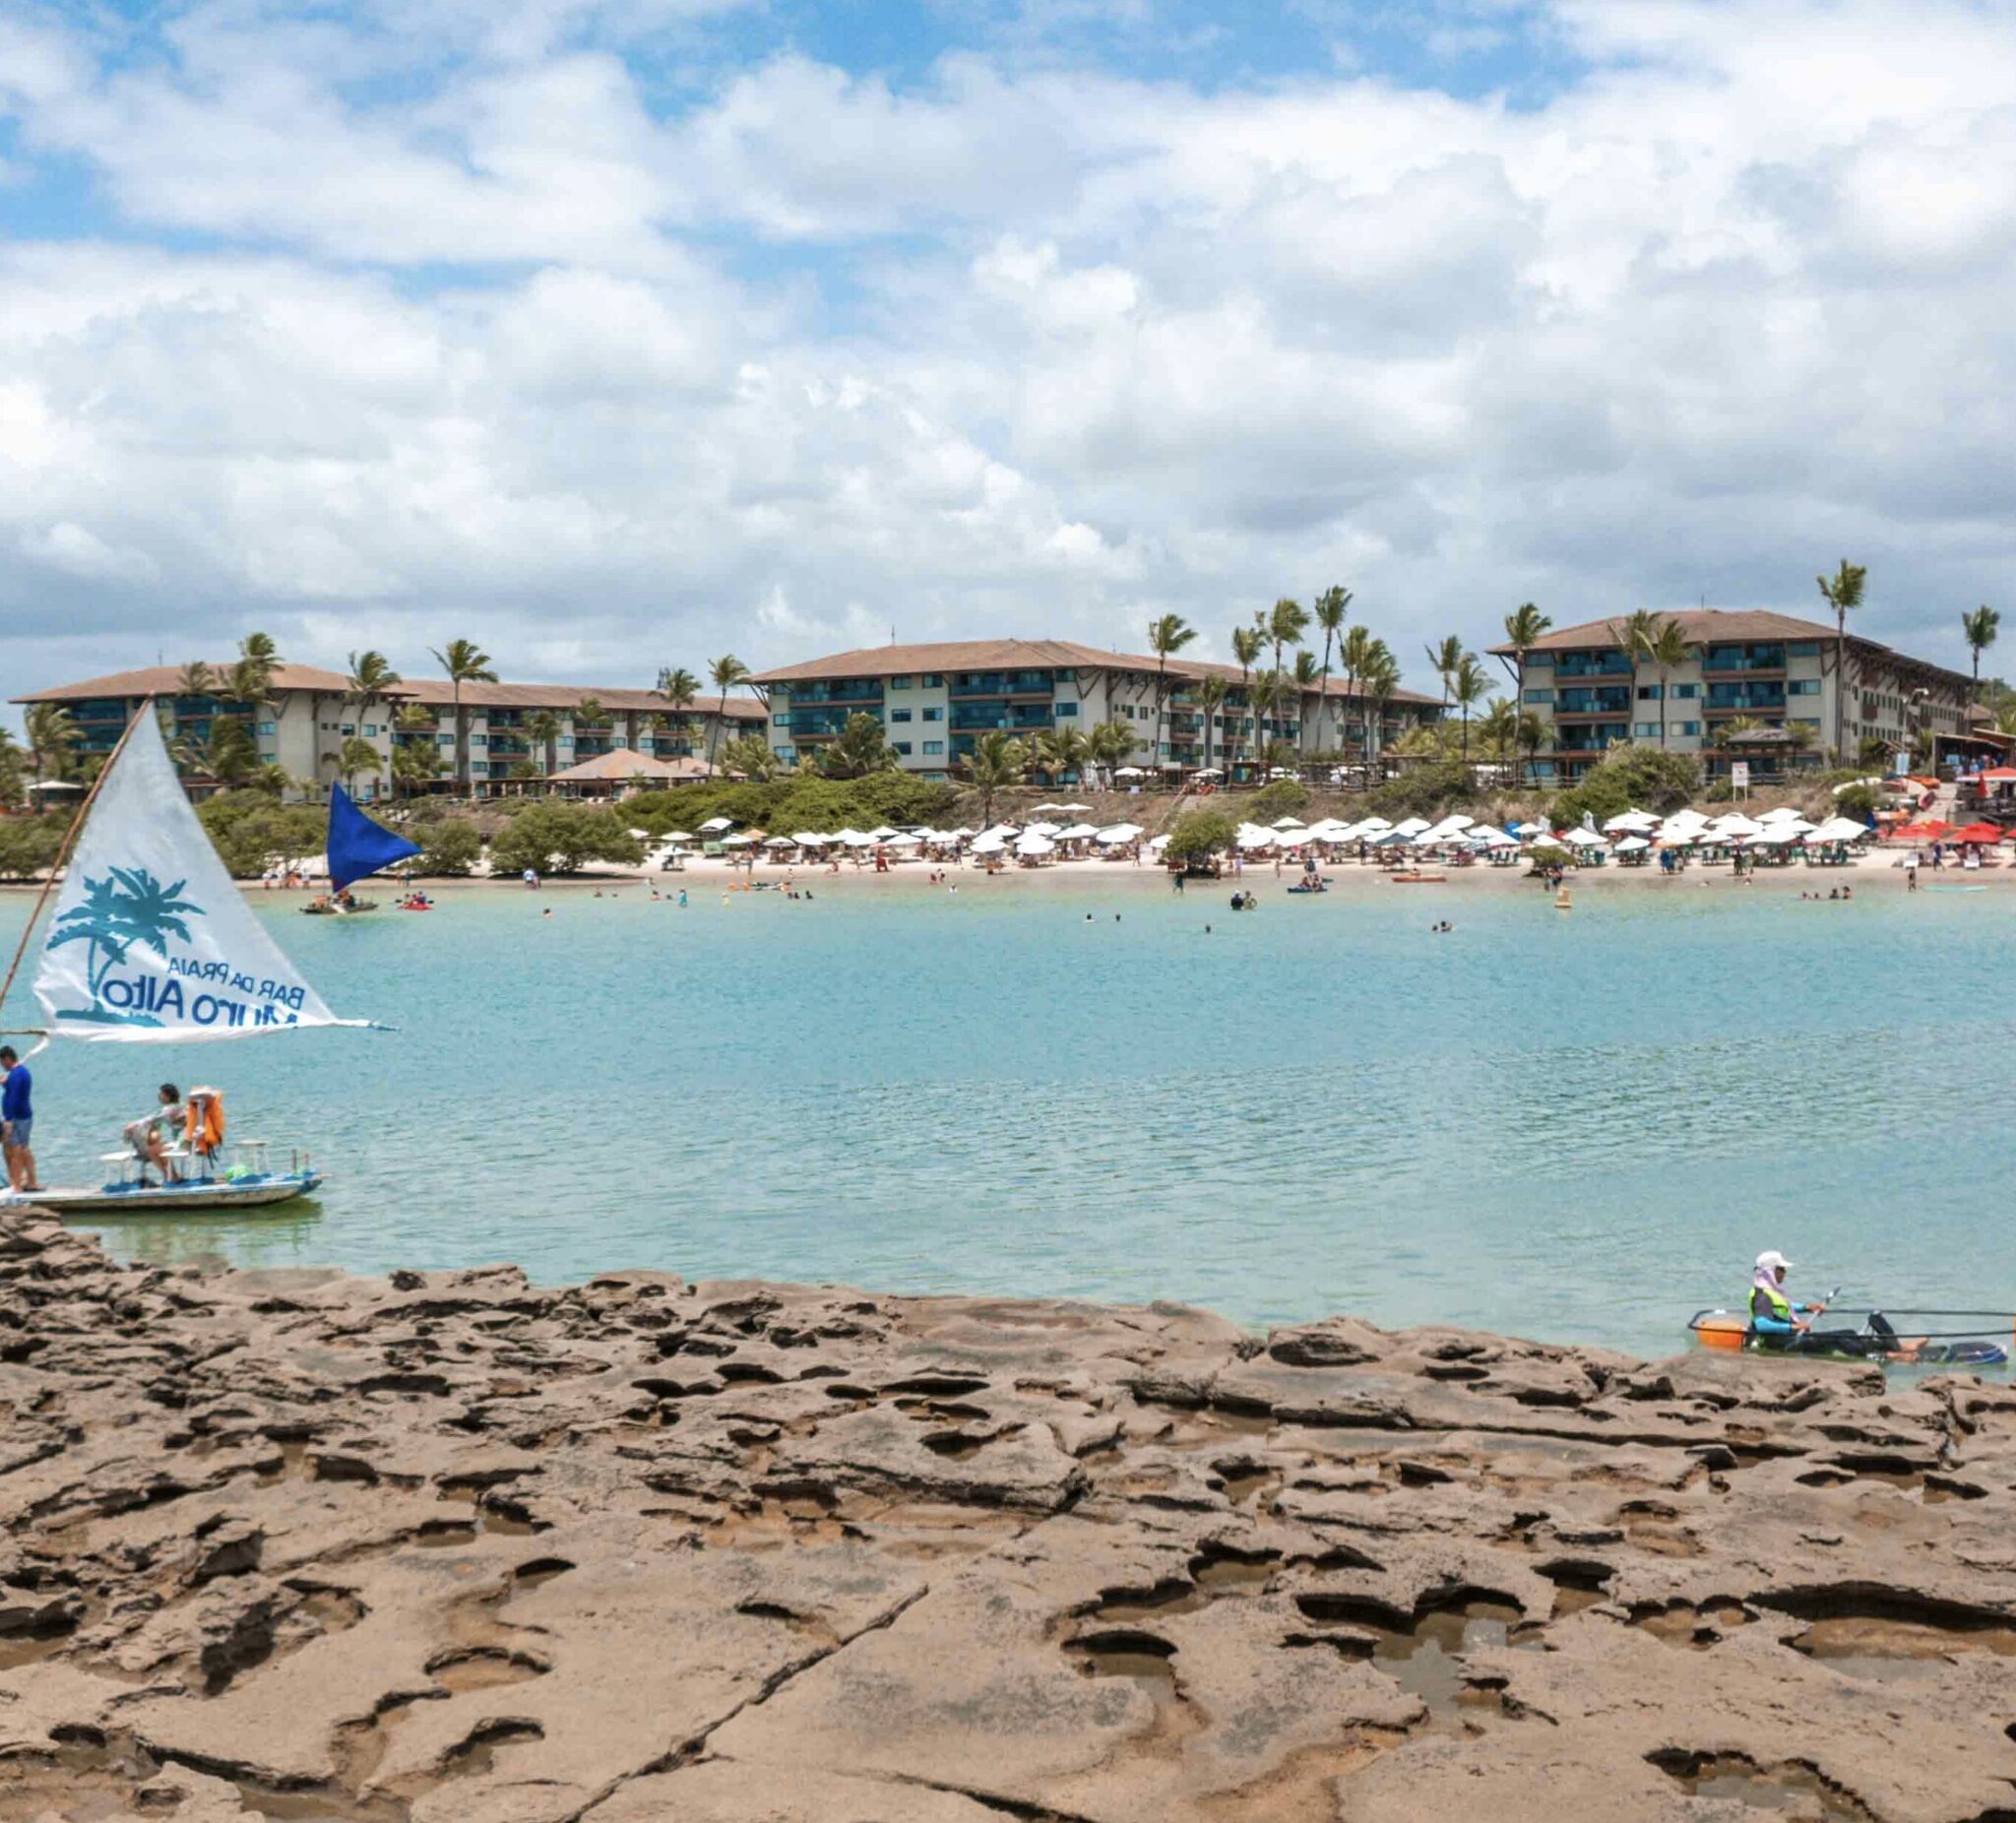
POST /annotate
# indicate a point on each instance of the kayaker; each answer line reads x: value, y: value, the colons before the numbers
x: 1775, y: 1318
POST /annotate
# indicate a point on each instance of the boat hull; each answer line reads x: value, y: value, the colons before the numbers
x: 209, y: 1197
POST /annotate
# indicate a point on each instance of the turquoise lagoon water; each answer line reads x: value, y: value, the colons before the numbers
x: 1578, y: 1127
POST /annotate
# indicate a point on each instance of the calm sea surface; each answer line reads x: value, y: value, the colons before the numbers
x: 1578, y: 1127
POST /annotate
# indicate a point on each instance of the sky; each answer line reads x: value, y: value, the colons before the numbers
x: 619, y: 334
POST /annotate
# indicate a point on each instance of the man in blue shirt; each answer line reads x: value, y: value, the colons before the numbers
x: 17, y: 1120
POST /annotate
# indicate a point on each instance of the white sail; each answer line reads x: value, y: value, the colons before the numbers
x: 151, y: 940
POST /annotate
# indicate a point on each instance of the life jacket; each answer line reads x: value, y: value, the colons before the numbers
x: 1774, y: 1304
x: 203, y: 1129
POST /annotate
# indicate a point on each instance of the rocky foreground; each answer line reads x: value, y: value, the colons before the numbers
x: 454, y: 1546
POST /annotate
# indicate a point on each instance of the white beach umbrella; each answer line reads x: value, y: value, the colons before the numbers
x: 1630, y: 845
x: 858, y: 839
x: 1840, y: 829
x: 883, y: 833
x: 1530, y: 829
x: 1033, y: 844
x: 783, y: 842
x: 1041, y: 809
x: 1736, y: 824
x: 1778, y: 813
x: 1583, y: 839
x: 811, y: 839
x: 1118, y: 831
x: 905, y: 842
x: 1494, y: 837
x: 1250, y: 840
x: 1290, y: 823
x: 1413, y: 826
x: 1129, y: 771
x: 1078, y: 831
x: 1044, y: 828
x: 678, y: 835
x: 990, y: 844
x: 960, y: 833
x: 734, y: 841
x: 719, y: 823
x: 1075, y: 809
x: 1160, y: 841
x: 1632, y: 822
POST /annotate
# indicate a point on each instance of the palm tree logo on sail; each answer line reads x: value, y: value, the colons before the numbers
x: 127, y: 908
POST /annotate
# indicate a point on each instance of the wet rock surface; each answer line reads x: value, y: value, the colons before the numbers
x: 449, y: 1545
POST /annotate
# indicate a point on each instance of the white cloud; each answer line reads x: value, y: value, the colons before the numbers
x: 1028, y: 344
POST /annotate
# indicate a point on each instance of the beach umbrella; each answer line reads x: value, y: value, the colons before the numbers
x: 1839, y: 829
x: 1251, y: 839
x: 1078, y: 831
x: 735, y: 842
x: 1494, y: 837
x: 782, y: 841
x: 1631, y: 821
x: 1042, y: 808
x: 883, y: 833
x: 1411, y: 826
x: 1289, y: 823
x: 1583, y: 839
x: 1032, y: 845
x: 1129, y: 771
x: 960, y: 833
x: 990, y: 844
x: 905, y: 842
x: 1529, y: 830
x: 678, y: 835
x: 1075, y: 809
x: 1984, y: 834
x: 1160, y: 841
x: 1118, y: 831
x: 1630, y: 845
x: 719, y: 823
x: 1044, y: 828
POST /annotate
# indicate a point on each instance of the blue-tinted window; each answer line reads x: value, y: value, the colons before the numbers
x: 934, y: 714
x: 268, y: 727
x: 934, y: 746
x: 1686, y: 690
x: 780, y: 722
x: 1804, y: 649
x: 1690, y: 728
x: 1539, y: 696
x: 900, y: 746
x: 1804, y: 686
x: 1065, y: 711
x: 782, y: 753
x: 1648, y: 693
x: 932, y: 681
x: 899, y: 715
x: 900, y: 683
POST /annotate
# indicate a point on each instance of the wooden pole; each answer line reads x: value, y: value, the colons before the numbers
x: 62, y: 859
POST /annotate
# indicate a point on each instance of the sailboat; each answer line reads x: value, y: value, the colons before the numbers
x: 357, y: 848
x: 151, y: 942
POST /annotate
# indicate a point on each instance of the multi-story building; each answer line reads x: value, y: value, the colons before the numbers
x: 935, y: 701
x: 309, y: 714
x: 1758, y: 686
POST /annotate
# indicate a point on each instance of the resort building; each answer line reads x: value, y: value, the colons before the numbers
x: 1756, y: 686
x: 513, y: 731
x: 935, y: 701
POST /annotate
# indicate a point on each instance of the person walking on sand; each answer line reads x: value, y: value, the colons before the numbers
x: 18, y: 1121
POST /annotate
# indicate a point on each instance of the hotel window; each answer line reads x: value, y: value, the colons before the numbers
x: 1688, y: 691
x: 446, y: 740
x: 780, y: 722
x: 932, y: 681
x: 1643, y: 730
x: 1803, y: 686
x: 479, y: 740
x: 1540, y: 660
x: 782, y: 753
x: 934, y: 746
x: 370, y: 730
x: 1648, y: 693
x: 1064, y: 710
x: 1539, y: 696
x: 900, y: 683
x: 901, y: 746
x: 934, y: 714
x: 268, y: 727
x: 349, y: 727
x: 1690, y: 730
x: 1804, y: 649
x: 899, y: 715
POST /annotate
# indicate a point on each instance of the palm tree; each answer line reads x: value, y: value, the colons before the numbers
x: 196, y: 680
x: 728, y: 671
x: 1843, y: 591
x: 1528, y: 733
x: 1305, y: 677
x: 1468, y: 687
x: 1329, y: 609
x: 465, y: 661
x: 994, y: 763
x: 1285, y: 623
x: 544, y: 726
x: 408, y: 766
x: 1109, y: 744
x: 1065, y: 750
x: 52, y: 738
x: 1443, y: 658
x: 10, y: 770
x: 370, y: 674
x: 1525, y: 627
x: 1355, y: 655
x: 1497, y: 728
x: 1211, y: 694
x: 679, y: 687
x: 1665, y: 651
x: 1381, y: 679
x: 1247, y: 646
x: 356, y: 755
x: 1265, y: 695
x: 1979, y: 628
x: 1169, y: 634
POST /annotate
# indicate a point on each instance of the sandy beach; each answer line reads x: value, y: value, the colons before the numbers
x: 454, y: 1546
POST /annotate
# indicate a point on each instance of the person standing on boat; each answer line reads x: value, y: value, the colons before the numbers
x: 17, y: 1120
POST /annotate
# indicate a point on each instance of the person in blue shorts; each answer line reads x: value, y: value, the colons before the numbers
x: 17, y: 1120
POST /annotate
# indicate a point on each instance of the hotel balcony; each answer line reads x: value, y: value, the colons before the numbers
x: 862, y: 692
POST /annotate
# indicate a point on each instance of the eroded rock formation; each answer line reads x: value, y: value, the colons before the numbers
x: 454, y: 1546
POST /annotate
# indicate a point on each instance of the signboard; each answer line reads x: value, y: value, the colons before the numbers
x: 1739, y: 775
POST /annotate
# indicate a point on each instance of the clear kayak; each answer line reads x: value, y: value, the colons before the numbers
x: 204, y: 1195
x: 1927, y: 1338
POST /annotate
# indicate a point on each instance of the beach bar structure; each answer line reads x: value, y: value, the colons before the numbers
x: 935, y: 701
x: 1758, y: 687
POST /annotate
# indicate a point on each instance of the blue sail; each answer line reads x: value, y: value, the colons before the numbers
x: 357, y: 845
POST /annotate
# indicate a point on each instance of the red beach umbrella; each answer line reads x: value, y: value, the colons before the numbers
x: 1987, y: 833
x: 1931, y: 830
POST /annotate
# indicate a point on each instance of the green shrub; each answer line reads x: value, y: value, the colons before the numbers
x: 1427, y: 790
x: 251, y: 831
x: 1284, y: 797
x: 1857, y: 800
x: 453, y: 846
x: 556, y: 837
x: 796, y: 800
x: 1200, y: 834
x: 28, y: 845
x: 1629, y: 778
